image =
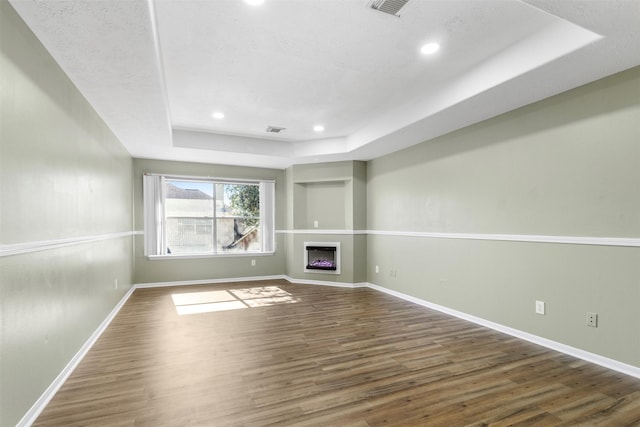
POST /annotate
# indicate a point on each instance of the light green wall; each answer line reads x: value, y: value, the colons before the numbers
x: 62, y: 175
x: 565, y: 166
x: 359, y: 200
x: 334, y: 195
x: 147, y: 271
x: 322, y: 172
x: 325, y: 205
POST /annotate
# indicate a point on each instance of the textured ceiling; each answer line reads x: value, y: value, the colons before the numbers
x: 156, y: 70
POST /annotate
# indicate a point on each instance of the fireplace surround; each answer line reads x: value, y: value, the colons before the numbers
x: 322, y: 257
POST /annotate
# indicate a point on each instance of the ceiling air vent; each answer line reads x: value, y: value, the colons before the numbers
x: 275, y: 129
x: 392, y: 7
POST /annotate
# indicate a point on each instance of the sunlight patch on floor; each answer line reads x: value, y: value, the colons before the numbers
x: 208, y: 308
x: 232, y: 299
x: 202, y: 297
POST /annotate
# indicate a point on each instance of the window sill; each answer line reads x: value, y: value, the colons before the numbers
x: 197, y: 256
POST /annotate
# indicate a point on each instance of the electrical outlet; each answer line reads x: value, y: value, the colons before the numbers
x: 592, y: 320
x: 253, y: 263
x: 377, y: 269
x: 540, y: 307
x: 315, y: 224
x: 116, y: 283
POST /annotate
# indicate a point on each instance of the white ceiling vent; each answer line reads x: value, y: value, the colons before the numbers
x: 275, y: 129
x: 392, y: 7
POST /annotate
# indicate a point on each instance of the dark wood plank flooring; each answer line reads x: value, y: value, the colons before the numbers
x: 324, y: 356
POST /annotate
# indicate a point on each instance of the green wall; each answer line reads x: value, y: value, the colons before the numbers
x: 333, y: 196
x: 565, y: 166
x: 63, y: 175
x: 180, y: 270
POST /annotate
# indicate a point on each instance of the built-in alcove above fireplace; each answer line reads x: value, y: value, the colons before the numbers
x: 322, y: 257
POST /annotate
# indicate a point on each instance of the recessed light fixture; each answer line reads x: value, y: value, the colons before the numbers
x: 430, y: 48
x: 254, y: 2
x: 218, y: 115
x: 318, y: 128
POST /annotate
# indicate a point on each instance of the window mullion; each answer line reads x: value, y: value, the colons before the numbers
x: 214, y: 229
x: 163, y: 216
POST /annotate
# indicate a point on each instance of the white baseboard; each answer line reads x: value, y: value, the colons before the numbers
x: 37, y: 408
x: 606, y: 362
x: 325, y: 283
x: 207, y: 281
x: 250, y: 279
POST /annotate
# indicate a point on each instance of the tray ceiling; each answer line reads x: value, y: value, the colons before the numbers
x: 156, y: 70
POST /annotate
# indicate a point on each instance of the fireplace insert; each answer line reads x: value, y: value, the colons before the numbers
x: 322, y: 257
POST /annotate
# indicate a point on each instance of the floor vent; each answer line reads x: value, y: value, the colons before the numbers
x: 275, y: 129
x: 392, y: 7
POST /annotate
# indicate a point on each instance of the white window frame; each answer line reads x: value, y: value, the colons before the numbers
x: 155, y: 242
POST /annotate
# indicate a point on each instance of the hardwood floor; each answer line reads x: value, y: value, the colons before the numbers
x: 321, y: 356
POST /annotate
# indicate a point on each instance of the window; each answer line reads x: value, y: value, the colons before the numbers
x: 202, y: 216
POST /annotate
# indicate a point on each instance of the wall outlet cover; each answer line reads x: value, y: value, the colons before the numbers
x: 592, y: 320
x: 540, y: 307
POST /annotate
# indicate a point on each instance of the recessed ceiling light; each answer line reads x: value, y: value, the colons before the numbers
x: 430, y: 48
x: 318, y: 128
x: 218, y: 115
x: 254, y: 2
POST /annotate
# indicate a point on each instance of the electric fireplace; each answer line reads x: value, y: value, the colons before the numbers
x: 322, y: 257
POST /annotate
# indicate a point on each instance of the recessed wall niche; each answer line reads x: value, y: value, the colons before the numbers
x: 327, y: 204
x: 321, y: 205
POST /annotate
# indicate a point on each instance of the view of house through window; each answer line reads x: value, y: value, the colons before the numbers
x: 211, y: 217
